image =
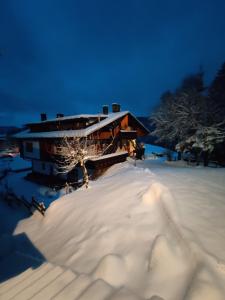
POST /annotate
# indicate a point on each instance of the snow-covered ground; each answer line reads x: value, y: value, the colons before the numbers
x: 150, y: 149
x: 22, y: 187
x: 14, y: 163
x: 154, y: 229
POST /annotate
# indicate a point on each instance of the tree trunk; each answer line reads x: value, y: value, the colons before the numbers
x: 85, y: 174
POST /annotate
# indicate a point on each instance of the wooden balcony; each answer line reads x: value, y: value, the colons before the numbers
x: 105, y: 161
x: 128, y: 134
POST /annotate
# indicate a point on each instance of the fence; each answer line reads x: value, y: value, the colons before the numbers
x: 32, y: 206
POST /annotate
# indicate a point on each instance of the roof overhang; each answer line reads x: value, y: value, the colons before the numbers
x: 79, y: 133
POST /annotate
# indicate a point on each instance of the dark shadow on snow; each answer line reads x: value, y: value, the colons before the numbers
x: 17, y: 252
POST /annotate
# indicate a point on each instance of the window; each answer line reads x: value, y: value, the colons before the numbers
x: 29, y: 147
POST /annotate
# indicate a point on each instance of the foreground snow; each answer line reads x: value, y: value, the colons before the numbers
x: 148, y: 230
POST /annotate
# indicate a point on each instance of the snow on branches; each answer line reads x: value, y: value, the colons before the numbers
x: 188, y: 117
x: 206, y: 138
x: 70, y: 152
x: 178, y: 116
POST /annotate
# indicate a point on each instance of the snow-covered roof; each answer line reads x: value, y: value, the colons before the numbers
x: 123, y: 130
x: 72, y: 117
x: 109, y: 155
x: 78, y: 132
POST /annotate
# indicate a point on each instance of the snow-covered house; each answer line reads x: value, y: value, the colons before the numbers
x: 117, y: 130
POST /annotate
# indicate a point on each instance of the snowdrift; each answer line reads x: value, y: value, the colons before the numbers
x: 127, y: 235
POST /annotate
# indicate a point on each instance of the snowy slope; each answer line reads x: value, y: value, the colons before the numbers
x: 139, y: 232
x: 14, y: 163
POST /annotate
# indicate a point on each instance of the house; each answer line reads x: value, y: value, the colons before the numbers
x: 114, y: 133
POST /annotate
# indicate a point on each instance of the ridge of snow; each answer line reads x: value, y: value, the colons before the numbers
x: 131, y: 230
x: 108, y: 155
x: 154, y: 231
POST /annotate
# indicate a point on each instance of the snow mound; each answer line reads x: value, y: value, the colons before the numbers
x: 205, y: 286
x: 168, y: 263
x: 162, y: 257
x: 156, y: 298
x: 142, y: 234
x: 153, y: 194
x: 125, y: 294
x: 112, y: 269
x: 159, y: 197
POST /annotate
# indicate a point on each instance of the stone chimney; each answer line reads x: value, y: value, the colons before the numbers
x: 59, y: 115
x: 43, y: 116
x: 105, y: 109
x: 115, y: 107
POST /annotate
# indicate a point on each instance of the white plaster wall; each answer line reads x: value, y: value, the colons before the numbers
x: 37, y: 166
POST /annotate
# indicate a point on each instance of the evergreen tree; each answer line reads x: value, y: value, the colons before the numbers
x: 193, y: 82
x: 217, y: 95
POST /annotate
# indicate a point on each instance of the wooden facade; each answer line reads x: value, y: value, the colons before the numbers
x: 117, y: 132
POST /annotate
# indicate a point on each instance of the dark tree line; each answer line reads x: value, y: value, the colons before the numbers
x: 193, y: 117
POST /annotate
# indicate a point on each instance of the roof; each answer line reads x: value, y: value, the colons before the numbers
x: 78, y: 132
x: 109, y: 155
x: 81, y: 116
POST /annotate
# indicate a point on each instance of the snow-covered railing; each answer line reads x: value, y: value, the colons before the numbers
x: 10, y: 197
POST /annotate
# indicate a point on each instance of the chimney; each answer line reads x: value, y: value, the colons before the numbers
x: 115, y: 107
x: 43, y: 116
x: 59, y: 115
x: 105, y: 109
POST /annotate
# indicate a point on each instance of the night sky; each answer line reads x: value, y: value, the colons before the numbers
x: 68, y: 56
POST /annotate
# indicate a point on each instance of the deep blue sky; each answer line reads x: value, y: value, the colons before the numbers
x: 73, y: 56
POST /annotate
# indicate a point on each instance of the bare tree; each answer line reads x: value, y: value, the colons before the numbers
x: 177, y: 117
x: 162, y: 119
x: 180, y: 114
x: 71, y: 152
x: 188, y: 118
x: 76, y: 151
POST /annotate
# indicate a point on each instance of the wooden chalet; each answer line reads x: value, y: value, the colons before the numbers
x: 38, y: 142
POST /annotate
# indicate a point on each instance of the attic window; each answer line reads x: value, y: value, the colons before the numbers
x: 29, y: 147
